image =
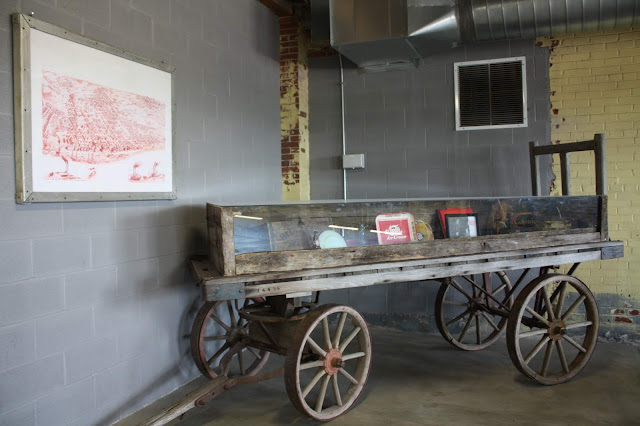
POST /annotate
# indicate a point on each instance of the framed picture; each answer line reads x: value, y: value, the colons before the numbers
x: 451, y: 210
x: 92, y: 122
x: 462, y: 225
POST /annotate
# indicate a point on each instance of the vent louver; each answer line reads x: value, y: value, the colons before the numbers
x: 490, y: 94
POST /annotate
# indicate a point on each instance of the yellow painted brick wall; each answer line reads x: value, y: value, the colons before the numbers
x: 595, y: 88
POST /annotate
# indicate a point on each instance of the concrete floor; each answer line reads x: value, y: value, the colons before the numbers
x: 418, y: 378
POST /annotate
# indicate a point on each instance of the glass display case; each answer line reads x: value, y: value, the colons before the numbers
x: 246, y: 239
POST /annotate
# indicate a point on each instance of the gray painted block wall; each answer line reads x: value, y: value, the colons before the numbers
x: 96, y: 298
x: 404, y: 123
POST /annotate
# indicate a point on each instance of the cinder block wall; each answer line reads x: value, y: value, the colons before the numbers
x: 595, y: 88
x: 95, y: 298
x: 404, y: 123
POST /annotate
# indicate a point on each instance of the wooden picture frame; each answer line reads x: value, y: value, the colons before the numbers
x: 93, y: 122
x: 462, y: 225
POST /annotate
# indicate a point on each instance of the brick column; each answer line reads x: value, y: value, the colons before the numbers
x: 294, y: 108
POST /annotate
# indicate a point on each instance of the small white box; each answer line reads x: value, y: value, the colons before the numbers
x: 353, y: 161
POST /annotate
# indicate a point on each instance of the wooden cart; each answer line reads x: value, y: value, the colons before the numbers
x: 263, y: 302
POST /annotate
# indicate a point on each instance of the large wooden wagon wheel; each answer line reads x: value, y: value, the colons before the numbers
x: 466, y: 309
x: 330, y: 348
x: 219, y: 339
x: 562, y: 320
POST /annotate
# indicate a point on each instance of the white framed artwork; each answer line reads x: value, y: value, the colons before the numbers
x: 93, y: 122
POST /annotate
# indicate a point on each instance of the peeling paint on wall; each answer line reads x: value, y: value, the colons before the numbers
x: 294, y: 107
x: 595, y: 88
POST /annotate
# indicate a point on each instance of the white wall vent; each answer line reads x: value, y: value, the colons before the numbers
x: 491, y: 94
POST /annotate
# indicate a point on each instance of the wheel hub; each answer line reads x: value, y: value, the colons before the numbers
x: 556, y: 329
x: 477, y: 304
x: 235, y: 335
x: 333, y: 362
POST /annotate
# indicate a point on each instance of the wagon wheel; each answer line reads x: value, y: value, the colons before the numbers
x: 331, y: 346
x: 466, y: 317
x: 566, y: 323
x: 218, y: 337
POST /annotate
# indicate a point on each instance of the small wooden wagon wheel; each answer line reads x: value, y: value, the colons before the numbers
x: 331, y: 346
x: 219, y: 339
x: 467, y: 316
x: 565, y: 322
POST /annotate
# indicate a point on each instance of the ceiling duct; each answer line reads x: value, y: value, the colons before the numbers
x: 391, y: 34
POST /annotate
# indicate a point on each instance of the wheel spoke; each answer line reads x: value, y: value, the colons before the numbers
x: 315, y: 346
x: 547, y: 358
x: 465, y: 329
x: 536, y: 349
x: 474, y: 292
x: 561, y: 294
x: 578, y: 325
x: 499, y: 289
x: 547, y: 304
x: 481, y: 291
x: 348, y: 376
x: 457, y: 286
x: 241, y: 363
x: 458, y: 318
x: 325, y: 331
x: 491, y: 323
x: 254, y: 353
x: 323, y: 392
x: 313, y: 382
x: 451, y: 302
x: 353, y: 356
x: 218, y: 353
x: 348, y: 340
x: 477, y: 329
x: 537, y: 315
x: 575, y: 344
x: 336, y: 389
x: 311, y: 364
x: 231, y: 314
x: 219, y: 321
x: 533, y: 333
x: 573, y: 307
x: 211, y: 338
x: 486, y: 283
x: 338, y: 335
x: 563, y: 360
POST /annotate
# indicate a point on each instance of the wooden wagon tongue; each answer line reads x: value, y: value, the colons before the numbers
x: 205, y: 393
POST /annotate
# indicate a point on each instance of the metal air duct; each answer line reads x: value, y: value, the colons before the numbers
x: 390, y: 33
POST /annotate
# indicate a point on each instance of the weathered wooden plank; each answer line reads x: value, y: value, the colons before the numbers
x: 249, y: 263
x: 565, y: 173
x: 564, y: 147
x: 220, y: 235
x: 280, y: 8
x: 227, y: 291
x: 186, y: 404
x: 612, y: 252
x: 416, y: 274
x: 535, y: 176
x: 601, y: 164
x: 513, y: 259
x: 208, y: 276
x: 603, y: 217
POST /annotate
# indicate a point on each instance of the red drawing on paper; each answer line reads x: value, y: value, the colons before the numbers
x: 87, y: 124
x: 154, y: 176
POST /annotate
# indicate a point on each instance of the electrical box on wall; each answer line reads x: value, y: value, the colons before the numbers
x: 353, y: 161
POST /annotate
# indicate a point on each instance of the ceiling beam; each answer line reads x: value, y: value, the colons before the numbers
x: 279, y: 7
